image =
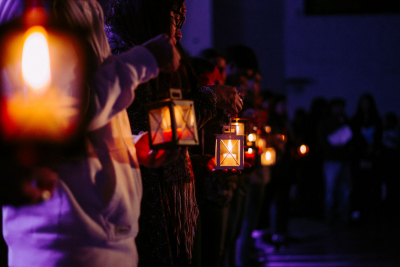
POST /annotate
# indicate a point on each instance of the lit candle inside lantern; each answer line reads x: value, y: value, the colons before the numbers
x: 42, y: 109
x: 36, y: 60
x: 303, y: 149
x: 250, y: 137
x: 268, y: 157
x: 229, y: 159
x: 249, y: 156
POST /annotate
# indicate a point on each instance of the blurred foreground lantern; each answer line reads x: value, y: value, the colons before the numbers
x: 229, y: 150
x: 172, y: 122
x: 268, y: 157
x: 42, y: 81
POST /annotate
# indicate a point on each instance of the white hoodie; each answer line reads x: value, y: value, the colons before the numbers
x: 92, y: 217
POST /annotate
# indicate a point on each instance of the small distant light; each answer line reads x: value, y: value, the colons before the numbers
x: 251, y: 137
x: 268, y: 129
x: 303, y: 149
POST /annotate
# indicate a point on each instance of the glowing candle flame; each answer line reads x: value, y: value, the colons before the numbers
x: 268, y: 155
x: 251, y: 137
x: 303, y: 149
x: 230, y: 146
x: 36, y: 59
x: 237, y: 128
x: 250, y: 150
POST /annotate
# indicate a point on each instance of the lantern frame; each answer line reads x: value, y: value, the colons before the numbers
x: 171, y: 104
x: 236, y: 140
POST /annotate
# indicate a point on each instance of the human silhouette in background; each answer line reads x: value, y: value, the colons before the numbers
x: 334, y: 136
x: 367, y: 137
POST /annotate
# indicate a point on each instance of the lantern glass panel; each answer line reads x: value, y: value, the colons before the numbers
x: 185, y: 122
x: 160, y: 125
x: 229, y: 152
x: 240, y: 128
x: 42, y: 81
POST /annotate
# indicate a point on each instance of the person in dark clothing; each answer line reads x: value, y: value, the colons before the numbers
x: 169, y: 211
x: 367, y: 129
x: 334, y: 138
x: 388, y: 167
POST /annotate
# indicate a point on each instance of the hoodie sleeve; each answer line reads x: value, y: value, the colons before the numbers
x: 115, y: 83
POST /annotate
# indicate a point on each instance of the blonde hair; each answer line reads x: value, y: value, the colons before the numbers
x: 86, y: 14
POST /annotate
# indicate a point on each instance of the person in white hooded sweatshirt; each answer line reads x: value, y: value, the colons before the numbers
x: 92, y: 217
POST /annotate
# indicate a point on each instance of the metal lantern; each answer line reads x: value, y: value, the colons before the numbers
x: 229, y: 151
x: 42, y: 81
x: 268, y: 157
x: 172, y: 122
x: 240, y: 126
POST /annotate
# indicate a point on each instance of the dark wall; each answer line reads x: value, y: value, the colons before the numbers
x: 259, y: 25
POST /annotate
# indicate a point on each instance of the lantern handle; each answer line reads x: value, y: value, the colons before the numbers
x: 230, y: 127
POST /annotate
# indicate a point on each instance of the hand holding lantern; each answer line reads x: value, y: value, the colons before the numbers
x: 154, y: 158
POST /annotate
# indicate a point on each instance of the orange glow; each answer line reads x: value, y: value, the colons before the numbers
x: 268, y: 129
x: 268, y: 158
x: 303, y: 149
x: 36, y: 60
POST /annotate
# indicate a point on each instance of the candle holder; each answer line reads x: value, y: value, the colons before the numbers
x: 172, y: 122
x: 229, y: 152
x: 43, y: 72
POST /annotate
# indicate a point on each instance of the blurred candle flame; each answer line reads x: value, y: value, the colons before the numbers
x: 36, y: 60
x: 268, y: 155
x: 303, y: 149
x: 251, y: 137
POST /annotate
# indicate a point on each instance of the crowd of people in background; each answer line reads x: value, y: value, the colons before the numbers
x: 331, y: 167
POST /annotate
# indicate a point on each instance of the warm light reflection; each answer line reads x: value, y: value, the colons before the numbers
x: 36, y: 60
x: 268, y: 156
